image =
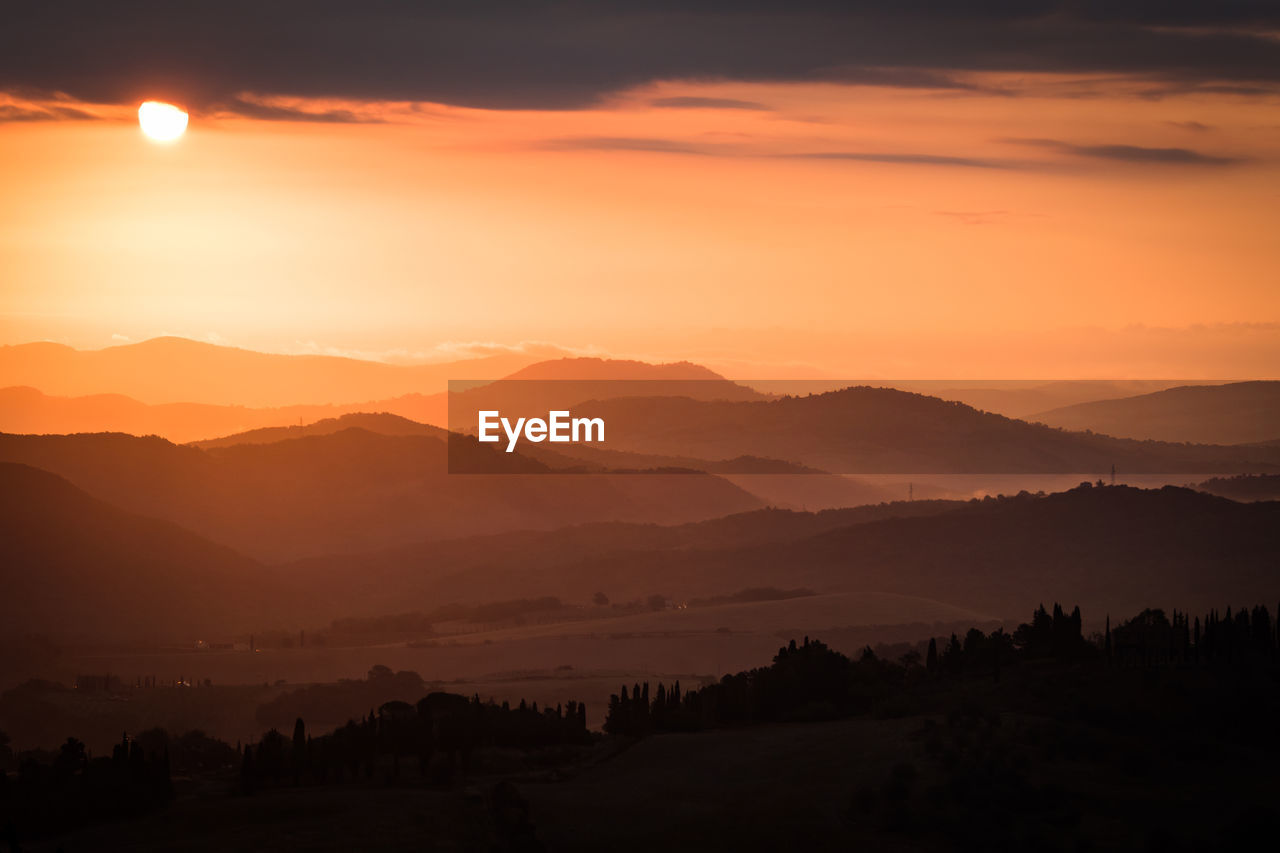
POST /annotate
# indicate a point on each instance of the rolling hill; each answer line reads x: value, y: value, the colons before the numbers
x: 1236, y: 413
x: 354, y: 490
x: 380, y: 423
x: 882, y: 430
x: 74, y: 566
x: 29, y: 411
x: 616, y: 370
x: 568, y: 383
x: 531, y: 563
x: 1244, y: 487
x: 1108, y: 549
x: 1016, y: 399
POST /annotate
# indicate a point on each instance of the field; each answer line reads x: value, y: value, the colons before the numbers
x: 584, y: 660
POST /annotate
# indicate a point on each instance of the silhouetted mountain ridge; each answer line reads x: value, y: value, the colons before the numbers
x: 883, y: 430
x: 1235, y: 413
x: 379, y: 423
x: 1108, y: 547
x: 614, y: 369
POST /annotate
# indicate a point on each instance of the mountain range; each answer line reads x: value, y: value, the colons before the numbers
x: 278, y: 514
x: 883, y: 430
x: 79, y: 566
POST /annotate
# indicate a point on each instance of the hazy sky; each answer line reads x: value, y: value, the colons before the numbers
x: 1021, y: 198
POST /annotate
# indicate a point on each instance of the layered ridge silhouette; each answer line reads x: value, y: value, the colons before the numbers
x: 80, y: 567
x: 1111, y: 547
x: 29, y: 411
x: 355, y: 490
x: 188, y: 391
x: 1234, y: 413
x: 883, y: 430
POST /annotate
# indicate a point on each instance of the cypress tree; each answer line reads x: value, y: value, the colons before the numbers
x: 1106, y: 643
x: 299, y: 749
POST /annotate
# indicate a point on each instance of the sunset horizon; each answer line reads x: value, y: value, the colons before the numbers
x: 655, y: 214
x: 710, y: 426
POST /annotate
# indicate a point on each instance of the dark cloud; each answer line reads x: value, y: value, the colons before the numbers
x: 1196, y: 126
x: 271, y: 112
x: 1170, y: 90
x: 903, y: 78
x: 672, y: 146
x: 1132, y: 153
x: 623, y: 143
x: 571, y: 53
x: 691, y: 103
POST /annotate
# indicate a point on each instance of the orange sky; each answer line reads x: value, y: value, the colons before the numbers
x: 1079, y: 228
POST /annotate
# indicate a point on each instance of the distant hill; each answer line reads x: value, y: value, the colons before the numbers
x: 29, y: 411
x: 197, y: 392
x: 382, y: 423
x: 597, y: 369
x: 1244, y: 487
x: 775, y: 482
x: 567, y: 383
x: 177, y: 370
x: 535, y: 563
x: 1014, y: 398
x: 76, y: 566
x: 355, y: 490
x: 882, y: 430
x: 1109, y: 549
x: 1236, y: 413
x: 1021, y: 399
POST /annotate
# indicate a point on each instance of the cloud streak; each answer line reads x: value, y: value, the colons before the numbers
x: 695, y: 103
x: 624, y: 143
x: 15, y: 113
x: 673, y: 146
x: 1132, y: 153
x: 916, y: 159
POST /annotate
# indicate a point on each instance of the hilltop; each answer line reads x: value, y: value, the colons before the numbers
x: 1235, y: 413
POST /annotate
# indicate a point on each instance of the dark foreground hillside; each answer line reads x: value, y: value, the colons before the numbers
x: 1158, y: 734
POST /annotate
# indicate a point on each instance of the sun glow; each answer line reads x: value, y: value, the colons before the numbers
x: 162, y: 122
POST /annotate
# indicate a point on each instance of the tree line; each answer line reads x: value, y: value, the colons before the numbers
x: 438, y: 735
x: 52, y: 792
x: 810, y: 680
x: 74, y: 788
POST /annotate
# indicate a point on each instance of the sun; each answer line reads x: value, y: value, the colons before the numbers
x: 162, y: 122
